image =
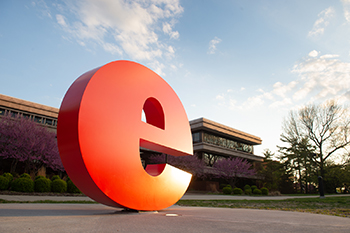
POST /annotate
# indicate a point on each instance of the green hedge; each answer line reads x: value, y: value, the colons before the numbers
x: 39, y: 177
x: 25, y: 175
x: 23, y: 184
x: 55, y: 177
x: 71, y: 188
x: 257, y: 191
x: 4, y: 183
x: 227, y: 190
x: 42, y: 184
x: 264, y: 191
x: 9, y: 176
x: 58, y: 186
x: 237, y: 191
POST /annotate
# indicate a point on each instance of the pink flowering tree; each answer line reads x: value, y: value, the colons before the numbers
x: 191, y: 164
x: 231, y: 169
x: 26, y: 142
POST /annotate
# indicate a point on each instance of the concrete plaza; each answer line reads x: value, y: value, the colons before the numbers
x: 100, y: 218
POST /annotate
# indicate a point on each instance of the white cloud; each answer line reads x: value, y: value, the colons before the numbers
x: 173, y: 67
x: 313, y: 53
x: 43, y: 8
x: 220, y: 97
x: 318, y: 78
x: 322, y: 22
x: 325, y: 77
x: 157, y: 67
x: 281, y: 90
x: 61, y: 20
x: 254, y: 102
x: 167, y: 29
x: 233, y: 104
x: 326, y: 56
x: 212, y: 45
x: 284, y: 102
x: 112, y: 48
x: 121, y: 26
x: 346, y: 6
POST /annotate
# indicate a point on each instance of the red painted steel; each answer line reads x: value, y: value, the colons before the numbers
x: 100, y: 130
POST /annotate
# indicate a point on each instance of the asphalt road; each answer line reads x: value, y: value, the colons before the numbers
x: 99, y: 218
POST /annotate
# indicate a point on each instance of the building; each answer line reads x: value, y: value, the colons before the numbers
x: 47, y: 116
x: 211, y: 140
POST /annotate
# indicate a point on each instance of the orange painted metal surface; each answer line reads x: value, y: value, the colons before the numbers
x: 100, y: 131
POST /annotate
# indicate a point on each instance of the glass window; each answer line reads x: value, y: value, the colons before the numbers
x: 48, y: 122
x: 2, y: 111
x: 25, y: 115
x: 224, y: 142
x: 14, y: 114
x: 38, y: 119
x: 196, y: 137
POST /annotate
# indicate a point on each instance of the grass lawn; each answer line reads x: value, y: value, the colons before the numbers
x: 338, y: 206
x: 2, y: 201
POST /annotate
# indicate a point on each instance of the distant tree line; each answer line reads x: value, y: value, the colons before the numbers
x: 316, y: 139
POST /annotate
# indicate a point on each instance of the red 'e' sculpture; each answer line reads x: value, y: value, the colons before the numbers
x: 100, y: 131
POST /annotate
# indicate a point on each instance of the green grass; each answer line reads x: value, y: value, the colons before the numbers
x: 338, y: 206
x: 2, y: 201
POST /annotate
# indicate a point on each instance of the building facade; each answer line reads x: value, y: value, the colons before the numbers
x: 212, y: 141
x: 42, y: 114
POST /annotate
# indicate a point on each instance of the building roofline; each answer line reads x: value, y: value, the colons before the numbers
x: 28, y: 106
x: 205, y: 124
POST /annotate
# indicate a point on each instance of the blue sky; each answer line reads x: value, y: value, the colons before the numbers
x: 244, y: 64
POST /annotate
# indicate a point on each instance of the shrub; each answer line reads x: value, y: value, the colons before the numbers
x: 23, y: 184
x: 257, y: 191
x: 55, y: 177
x: 264, y: 191
x: 58, y: 186
x: 9, y: 176
x: 237, y: 191
x: 223, y: 186
x: 253, y: 187
x: 248, y: 191
x: 246, y: 187
x: 227, y: 190
x: 39, y: 177
x: 25, y: 175
x: 71, y: 188
x: 42, y: 184
x: 4, y: 183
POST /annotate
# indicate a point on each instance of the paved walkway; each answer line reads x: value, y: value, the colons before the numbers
x: 100, y: 218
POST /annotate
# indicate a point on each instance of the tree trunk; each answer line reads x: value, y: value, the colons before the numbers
x: 13, y: 166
